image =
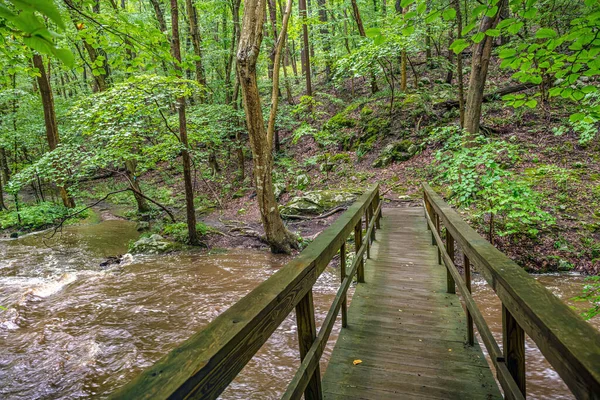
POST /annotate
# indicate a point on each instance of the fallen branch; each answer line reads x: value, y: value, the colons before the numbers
x: 325, y: 215
x: 449, y: 104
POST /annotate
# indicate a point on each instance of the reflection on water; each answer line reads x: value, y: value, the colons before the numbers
x: 74, y: 329
x: 542, y: 380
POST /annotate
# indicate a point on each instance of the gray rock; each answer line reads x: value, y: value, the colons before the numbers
x: 317, y: 202
x: 154, y: 244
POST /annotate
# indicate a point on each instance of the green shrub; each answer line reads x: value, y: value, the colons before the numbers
x: 36, y: 216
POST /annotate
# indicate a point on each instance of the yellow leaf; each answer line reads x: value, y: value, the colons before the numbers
x: 356, y: 362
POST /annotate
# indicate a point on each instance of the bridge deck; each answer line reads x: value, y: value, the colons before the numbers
x: 408, y: 332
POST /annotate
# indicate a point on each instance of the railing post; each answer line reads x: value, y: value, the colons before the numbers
x: 378, y: 216
x: 451, y: 285
x: 343, y: 276
x: 360, y: 270
x: 470, y: 331
x: 373, y: 208
x: 307, y: 333
x: 439, y: 231
x: 368, y: 238
x: 513, y: 337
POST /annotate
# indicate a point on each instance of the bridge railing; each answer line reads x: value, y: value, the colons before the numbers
x: 205, y: 364
x: 571, y: 345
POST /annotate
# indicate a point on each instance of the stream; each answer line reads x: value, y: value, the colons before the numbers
x: 72, y: 329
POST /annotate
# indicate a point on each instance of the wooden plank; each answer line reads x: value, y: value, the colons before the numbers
x: 571, y: 345
x: 409, y: 333
x: 307, y: 333
x: 513, y: 338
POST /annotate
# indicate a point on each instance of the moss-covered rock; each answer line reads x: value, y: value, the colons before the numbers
x: 318, y: 202
x: 154, y: 244
x: 398, y: 151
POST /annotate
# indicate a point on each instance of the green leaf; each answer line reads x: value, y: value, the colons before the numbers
x: 577, y: 117
x: 507, y: 53
x: 432, y: 17
x: 513, y: 29
x: 531, y: 103
x: 493, y: 32
x: 468, y: 28
x: 45, y: 7
x: 478, y: 37
x: 406, y: 3
x: 545, y: 33
x: 409, y: 30
x: 65, y: 56
x: 491, y: 12
x: 449, y: 14
x: 459, y: 45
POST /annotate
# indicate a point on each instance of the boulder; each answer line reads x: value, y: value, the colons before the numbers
x: 154, y: 244
x: 318, y: 202
x: 397, y: 151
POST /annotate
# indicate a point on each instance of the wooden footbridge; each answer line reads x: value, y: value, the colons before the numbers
x: 406, y: 334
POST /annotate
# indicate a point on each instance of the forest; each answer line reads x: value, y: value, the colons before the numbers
x: 252, y: 124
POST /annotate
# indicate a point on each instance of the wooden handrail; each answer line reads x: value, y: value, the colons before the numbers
x: 571, y: 345
x: 206, y: 363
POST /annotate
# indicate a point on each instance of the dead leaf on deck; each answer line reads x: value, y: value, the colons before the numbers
x: 356, y: 362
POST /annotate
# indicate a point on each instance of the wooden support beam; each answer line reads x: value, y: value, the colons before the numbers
x: 450, y: 249
x: 513, y: 337
x: 343, y: 276
x: 470, y: 331
x: 307, y: 333
x: 360, y: 274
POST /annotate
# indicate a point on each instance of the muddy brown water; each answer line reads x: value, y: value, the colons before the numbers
x: 72, y: 329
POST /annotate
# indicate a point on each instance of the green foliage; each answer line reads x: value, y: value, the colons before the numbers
x: 476, y: 174
x: 35, y: 216
x: 591, y: 293
x: 179, y: 231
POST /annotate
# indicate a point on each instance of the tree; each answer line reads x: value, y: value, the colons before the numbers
x: 187, y: 168
x: 261, y: 138
x: 50, y: 122
x: 480, y: 61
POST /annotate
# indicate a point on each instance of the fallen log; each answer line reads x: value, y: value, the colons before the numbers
x: 449, y: 104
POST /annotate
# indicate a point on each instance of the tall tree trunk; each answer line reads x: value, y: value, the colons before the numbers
x: 196, y: 43
x: 482, y: 52
x: 235, y: 37
x: 261, y: 139
x: 305, y: 47
x: 325, y: 37
x: 361, y: 30
x: 187, y: 170
x: 450, y: 72
x: 459, y: 65
x: 160, y: 15
x: 2, y: 205
x: 50, y: 121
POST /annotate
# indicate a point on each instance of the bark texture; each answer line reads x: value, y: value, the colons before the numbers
x: 261, y: 139
x: 479, y: 68
x: 187, y: 170
x: 50, y: 121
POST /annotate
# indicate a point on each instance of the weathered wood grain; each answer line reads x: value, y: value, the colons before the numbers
x: 571, y: 345
x: 409, y: 333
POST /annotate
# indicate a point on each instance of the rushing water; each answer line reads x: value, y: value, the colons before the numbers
x: 543, y: 382
x: 73, y: 329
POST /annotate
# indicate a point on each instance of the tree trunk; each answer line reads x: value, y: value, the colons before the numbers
x: 50, y: 121
x: 459, y: 65
x: 160, y: 15
x: 196, y: 43
x: 187, y: 171
x: 280, y: 239
x: 305, y: 48
x: 361, y: 31
x: 130, y: 170
x: 326, y: 38
x: 479, y: 68
x: 235, y: 37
